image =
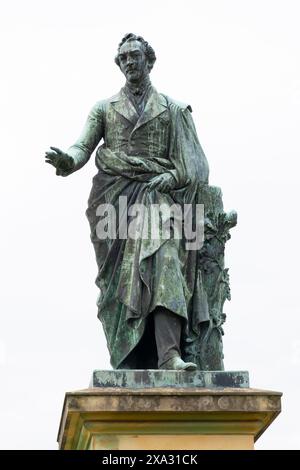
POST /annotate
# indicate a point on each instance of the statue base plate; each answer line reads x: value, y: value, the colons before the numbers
x: 139, y: 378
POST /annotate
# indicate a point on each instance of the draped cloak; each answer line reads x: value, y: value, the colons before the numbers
x: 135, y: 275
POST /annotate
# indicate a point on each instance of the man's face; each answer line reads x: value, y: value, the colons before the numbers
x: 133, y: 62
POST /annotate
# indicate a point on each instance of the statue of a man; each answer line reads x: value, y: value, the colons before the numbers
x: 151, y: 297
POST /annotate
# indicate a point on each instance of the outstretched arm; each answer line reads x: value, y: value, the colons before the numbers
x: 79, y: 153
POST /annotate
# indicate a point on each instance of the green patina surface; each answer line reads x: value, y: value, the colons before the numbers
x: 151, y: 155
x: 161, y: 378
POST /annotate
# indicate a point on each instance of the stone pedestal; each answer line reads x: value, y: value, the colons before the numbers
x: 181, y: 416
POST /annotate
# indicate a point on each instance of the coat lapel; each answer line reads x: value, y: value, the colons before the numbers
x: 155, y: 105
x: 123, y: 106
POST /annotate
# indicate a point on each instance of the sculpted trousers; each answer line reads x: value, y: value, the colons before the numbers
x: 167, y: 327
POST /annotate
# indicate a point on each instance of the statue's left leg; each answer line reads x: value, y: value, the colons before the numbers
x: 168, y: 327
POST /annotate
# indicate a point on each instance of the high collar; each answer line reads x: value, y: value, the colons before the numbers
x: 138, y: 89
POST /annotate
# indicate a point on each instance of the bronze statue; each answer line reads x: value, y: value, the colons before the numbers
x: 160, y: 304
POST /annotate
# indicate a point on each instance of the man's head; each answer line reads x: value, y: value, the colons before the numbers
x: 135, y: 57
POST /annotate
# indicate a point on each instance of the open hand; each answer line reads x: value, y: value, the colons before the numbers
x: 163, y: 183
x: 60, y: 160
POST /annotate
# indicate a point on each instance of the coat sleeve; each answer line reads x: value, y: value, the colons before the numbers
x: 186, y: 154
x: 92, y: 133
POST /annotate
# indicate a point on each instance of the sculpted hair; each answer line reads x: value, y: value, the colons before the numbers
x: 148, y: 50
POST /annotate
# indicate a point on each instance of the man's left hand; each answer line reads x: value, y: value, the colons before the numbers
x: 163, y: 183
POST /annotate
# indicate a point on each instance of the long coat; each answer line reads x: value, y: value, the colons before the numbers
x: 137, y: 275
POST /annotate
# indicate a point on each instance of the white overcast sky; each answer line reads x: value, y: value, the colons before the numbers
x: 237, y: 63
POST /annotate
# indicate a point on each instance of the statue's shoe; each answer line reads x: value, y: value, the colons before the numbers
x: 176, y: 363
